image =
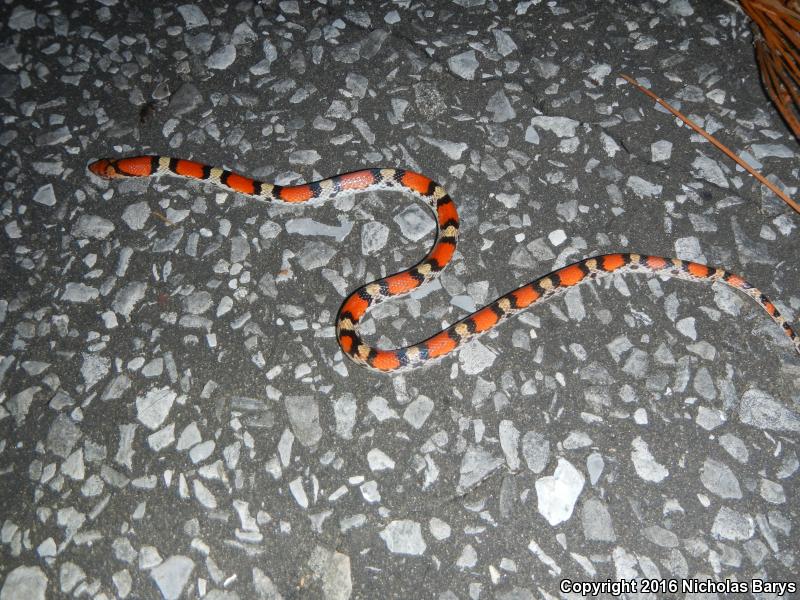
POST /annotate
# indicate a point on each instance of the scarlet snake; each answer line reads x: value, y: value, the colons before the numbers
x: 436, y: 198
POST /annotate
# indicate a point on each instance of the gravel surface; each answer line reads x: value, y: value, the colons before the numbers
x: 176, y: 417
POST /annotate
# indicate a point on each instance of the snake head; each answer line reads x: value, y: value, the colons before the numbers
x: 104, y: 168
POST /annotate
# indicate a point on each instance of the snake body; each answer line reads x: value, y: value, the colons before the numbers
x: 444, y: 211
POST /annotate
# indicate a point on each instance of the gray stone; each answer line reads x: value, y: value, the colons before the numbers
x: 28, y: 583
x: 192, y: 15
x: 373, y: 237
x: 719, y: 479
x: 759, y: 409
x: 709, y: 169
x: 476, y: 465
x: 417, y: 412
x: 596, y: 521
x: 414, y: 222
x: 315, y: 254
x: 505, y: 45
x: 333, y: 570
x: 303, y: 413
x: 92, y: 226
x: 20, y: 403
x: 464, y: 65
x: 197, y: 303
x: 264, y: 586
x: 172, y: 575
x: 185, y: 99
x: 535, y: 450
x: 500, y: 107
x: 643, y: 188
x: 733, y: 525
x: 222, y: 58
x: 136, y: 215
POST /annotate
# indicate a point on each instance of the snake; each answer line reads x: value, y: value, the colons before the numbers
x: 360, y: 301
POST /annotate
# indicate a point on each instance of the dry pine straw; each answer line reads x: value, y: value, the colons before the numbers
x: 777, y: 191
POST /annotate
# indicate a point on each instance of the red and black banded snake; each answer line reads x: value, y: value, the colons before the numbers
x: 444, y: 210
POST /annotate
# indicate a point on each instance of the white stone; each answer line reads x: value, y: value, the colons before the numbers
x: 202, y: 451
x: 222, y: 58
x: 642, y: 187
x: 136, y: 215
x: 475, y: 357
x: 374, y: 236
x: 404, y: 537
x: 189, y: 436
x: 192, y: 15
x: 452, y: 150
x: 558, y: 493
x: 172, y: 575
x: 500, y: 107
x: 439, y: 529
x: 29, y: 583
x: 203, y: 494
x: 687, y: 327
x: 709, y: 169
x: 563, y: 127
x: 557, y: 237
x: 732, y: 525
x: 735, y: 447
x: 45, y: 195
x: 299, y: 493
x: 661, y: 150
x: 595, y: 465
x: 128, y: 297
x: 598, y: 73
x: 162, y: 438
x: 596, y: 520
x: 468, y: 558
x: 379, y: 461
x: 646, y: 466
x: 505, y: 44
x: 414, y: 223
x: 333, y: 570
x: 79, y: 292
x: 153, y: 408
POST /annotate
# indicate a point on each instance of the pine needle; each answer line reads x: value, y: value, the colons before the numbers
x: 159, y: 215
x: 777, y: 42
x: 716, y: 143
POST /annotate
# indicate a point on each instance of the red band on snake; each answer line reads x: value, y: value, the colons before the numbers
x: 444, y: 211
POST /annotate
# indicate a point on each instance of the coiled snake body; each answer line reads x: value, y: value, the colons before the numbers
x: 444, y: 210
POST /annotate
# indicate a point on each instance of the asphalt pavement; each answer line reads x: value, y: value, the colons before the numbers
x: 176, y: 417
